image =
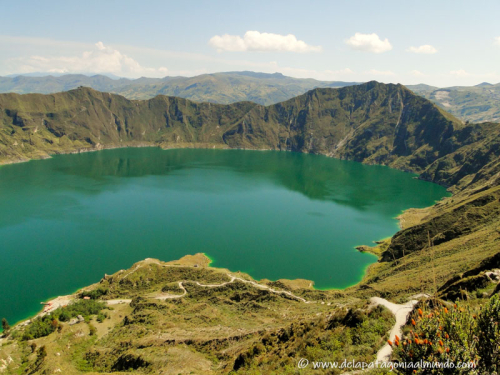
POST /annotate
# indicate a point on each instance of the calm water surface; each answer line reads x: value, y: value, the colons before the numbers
x: 66, y: 221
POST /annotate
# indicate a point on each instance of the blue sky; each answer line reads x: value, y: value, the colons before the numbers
x: 454, y: 42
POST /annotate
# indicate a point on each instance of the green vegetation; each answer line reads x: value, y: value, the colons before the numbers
x: 40, y: 327
x: 462, y: 333
x: 94, y: 293
x: 85, y: 308
x: 355, y: 336
x: 45, y: 325
x: 5, y: 325
x: 33, y: 368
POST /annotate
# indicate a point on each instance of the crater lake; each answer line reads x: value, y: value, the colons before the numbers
x: 68, y: 220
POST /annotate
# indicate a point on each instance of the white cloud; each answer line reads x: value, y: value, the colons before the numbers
x: 460, y: 73
x: 426, y: 49
x: 257, y: 41
x: 369, y: 43
x: 375, y: 72
x: 497, y: 40
x: 417, y: 73
x: 100, y: 59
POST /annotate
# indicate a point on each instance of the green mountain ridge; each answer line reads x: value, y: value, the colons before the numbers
x: 469, y: 103
x: 371, y: 123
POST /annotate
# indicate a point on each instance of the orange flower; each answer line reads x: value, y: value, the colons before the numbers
x: 438, y: 334
x: 426, y: 341
x: 389, y: 342
x: 416, y: 335
x: 447, y: 336
x: 413, y: 322
x: 440, y: 328
x: 447, y: 350
x: 430, y: 343
x: 441, y: 343
x: 420, y: 312
x: 446, y: 310
x: 397, y: 343
x: 455, y: 305
x: 440, y: 350
x: 409, y: 341
x: 397, y: 338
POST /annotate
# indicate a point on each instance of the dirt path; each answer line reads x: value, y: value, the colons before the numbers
x: 232, y: 280
x: 117, y: 301
x: 401, y: 313
x: 290, y: 294
x: 64, y: 300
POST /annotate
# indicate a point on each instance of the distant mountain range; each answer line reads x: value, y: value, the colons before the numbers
x: 222, y: 88
x: 468, y: 103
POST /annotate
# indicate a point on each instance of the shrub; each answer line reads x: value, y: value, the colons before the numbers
x: 100, y: 317
x: 47, y: 324
x: 94, y: 294
x: 39, y: 327
x: 85, y: 308
x: 92, y: 330
x: 458, y: 334
x: 488, y: 331
x: 5, y: 325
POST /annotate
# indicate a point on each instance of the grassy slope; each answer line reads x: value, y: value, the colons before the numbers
x: 464, y: 230
x: 210, y: 329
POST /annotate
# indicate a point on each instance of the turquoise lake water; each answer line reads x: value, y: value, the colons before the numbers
x: 66, y: 221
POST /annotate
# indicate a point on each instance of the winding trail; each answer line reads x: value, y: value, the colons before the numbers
x: 401, y: 313
x: 232, y: 280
